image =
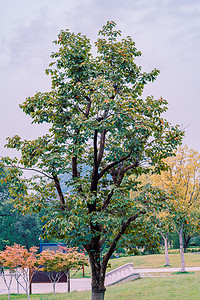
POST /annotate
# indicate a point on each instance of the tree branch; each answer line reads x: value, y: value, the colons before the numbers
x: 113, y: 164
x: 107, y: 201
x: 118, y: 182
x: 74, y: 167
x: 118, y: 236
x: 95, y: 148
x: 74, y: 158
x: 94, y: 180
x: 59, y: 190
x: 29, y: 169
x: 122, y: 173
x: 88, y: 107
x: 101, y: 148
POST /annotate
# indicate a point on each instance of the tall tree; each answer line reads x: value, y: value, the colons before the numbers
x: 165, y: 227
x: 102, y: 131
x: 14, y: 226
x: 182, y: 182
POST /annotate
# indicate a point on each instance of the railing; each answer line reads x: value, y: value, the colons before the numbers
x: 126, y: 266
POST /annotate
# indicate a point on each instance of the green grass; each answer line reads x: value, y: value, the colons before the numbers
x: 149, y: 261
x: 156, y: 261
x: 176, y: 287
x: 182, y: 273
x: 181, y: 287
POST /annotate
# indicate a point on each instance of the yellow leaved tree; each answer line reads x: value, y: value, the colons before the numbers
x: 181, y: 182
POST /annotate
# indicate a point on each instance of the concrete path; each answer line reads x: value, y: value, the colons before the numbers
x: 85, y: 283
x: 160, y: 272
x: 76, y: 284
x: 166, y: 269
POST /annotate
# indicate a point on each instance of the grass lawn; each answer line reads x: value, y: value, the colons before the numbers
x: 149, y: 261
x: 183, y: 287
x: 156, y: 261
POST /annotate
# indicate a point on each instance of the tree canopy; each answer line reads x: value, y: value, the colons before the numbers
x: 101, y: 131
x: 182, y: 184
x: 14, y: 226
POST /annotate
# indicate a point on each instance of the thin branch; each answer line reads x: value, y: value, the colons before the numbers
x: 118, y: 182
x: 80, y: 109
x: 29, y: 169
x: 59, y: 190
x: 94, y: 180
x: 113, y: 164
x: 107, y: 201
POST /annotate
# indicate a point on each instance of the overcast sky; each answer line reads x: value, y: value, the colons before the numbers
x: 167, y: 32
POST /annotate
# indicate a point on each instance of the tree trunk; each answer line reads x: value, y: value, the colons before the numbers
x: 98, y: 294
x: 17, y: 287
x: 98, y: 288
x: 186, y: 241
x: 180, y: 234
x: 54, y: 288
x: 170, y: 243
x: 165, y: 238
x: 98, y: 278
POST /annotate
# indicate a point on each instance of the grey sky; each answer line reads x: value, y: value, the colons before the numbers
x: 166, y: 31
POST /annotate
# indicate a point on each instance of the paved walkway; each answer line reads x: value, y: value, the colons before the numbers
x: 161, y: 272
x: 76, y: 284
x: 85, y: 283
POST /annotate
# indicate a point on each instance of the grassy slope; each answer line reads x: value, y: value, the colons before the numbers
x: 151, y: 261
x: 157, y: 261
x: 182, y: 287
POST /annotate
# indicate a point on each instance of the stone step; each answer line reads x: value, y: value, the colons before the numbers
x: 123, y: 273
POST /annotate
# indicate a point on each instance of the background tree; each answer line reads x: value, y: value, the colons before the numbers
x: 191, y: 227
x: 7, y: 278
x: 58, y: 263
x: 14, y: 226
x: 143, y: 235
x: 21, y: 263
x: 101, y: 132
x: 182, y: 183
x: 165, y: 225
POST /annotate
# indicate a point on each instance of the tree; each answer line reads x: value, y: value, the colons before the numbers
x: 191, y: 228
x: 7, y: 278
x: 143, y: 234
x: 18, y: 228
x: 58, y: 263
x: 21, y: 263
x: 14, y: 226
x: 165, y: 226
x: 101, y: 132
x: 182, y: 183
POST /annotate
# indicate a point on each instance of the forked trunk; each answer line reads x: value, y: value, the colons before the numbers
x: 165, y: 238
x: 180, y: 234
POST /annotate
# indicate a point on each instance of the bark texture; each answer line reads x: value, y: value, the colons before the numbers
x: 180, y: 234
x: 165, y: 238
x: 98, y: 278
